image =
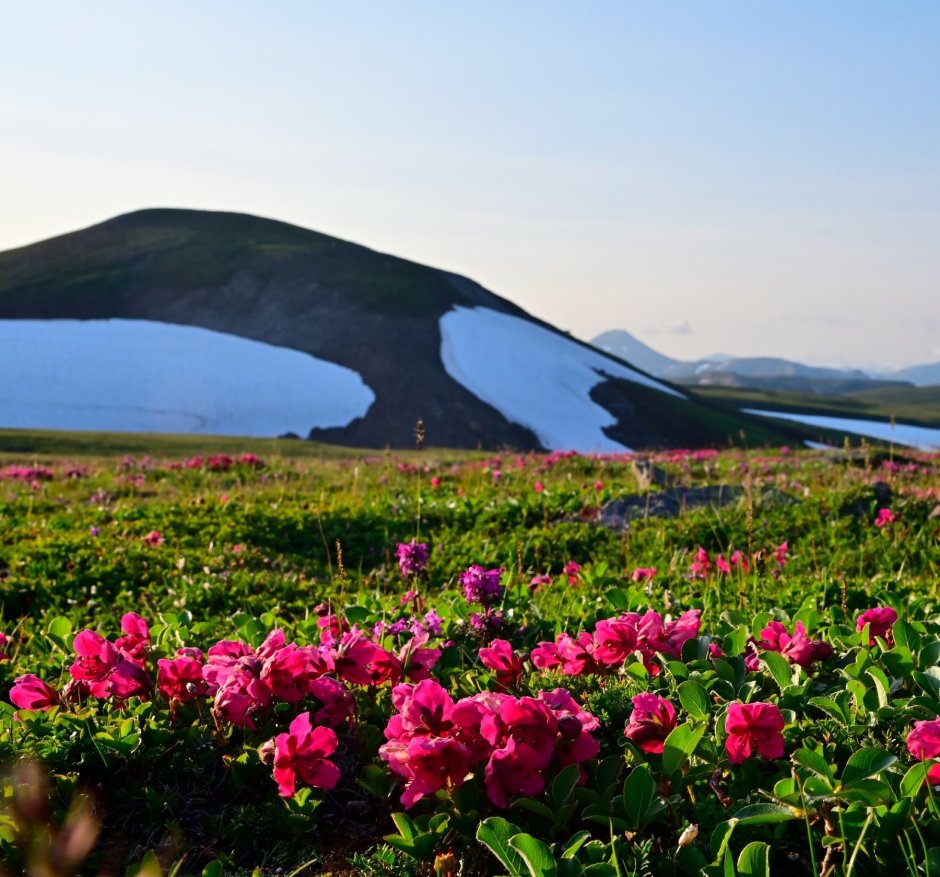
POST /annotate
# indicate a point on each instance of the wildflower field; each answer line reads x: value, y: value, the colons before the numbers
x: 457, y: 664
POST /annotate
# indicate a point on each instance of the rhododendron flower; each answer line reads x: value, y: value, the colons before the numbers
x: 4, y: 644
x: 572, y: 570
x: 153, y: 538
x: 432, y: 763
x: 679, y: 631
x: 643, y: 573
x: 884, y: 517
x: 181, y: 678
x: 482, y: 585
x: 104, y: 669
x: 739, y: 561
x: 651, y: 721
x: 798, y: 648
x: 614, y: 641
x: 880, y: 619
x: 339, y: 705
x: 513, y: 771
x: 289, y: 672
x: 701, y: 565
x: 722, y: 565
x: 302, y: 754
x: 538, y: 581
x: 571, y: 656
x: 29, y: 692
x: 539, y: 487
x: 923, y: 743
x: 412, y: 557
x: 500, y: 657
x: 136, y: 640
x: 753, y: 727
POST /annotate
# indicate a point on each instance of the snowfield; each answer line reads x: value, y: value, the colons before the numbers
x: 534, y: 377
x: 900, y: 434
x: 144, y: 376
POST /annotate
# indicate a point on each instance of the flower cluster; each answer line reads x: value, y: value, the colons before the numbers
x: 435, y: 743
x: 482, y: 585
x: 615, y: 640
x: 412, y: 558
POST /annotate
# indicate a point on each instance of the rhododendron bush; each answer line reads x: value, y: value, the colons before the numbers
x: 237, y: 664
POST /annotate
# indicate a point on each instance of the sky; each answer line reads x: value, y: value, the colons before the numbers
x: 736, y: 177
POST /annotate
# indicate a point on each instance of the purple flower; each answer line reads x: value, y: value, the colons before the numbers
x: 482, y: 585
x: 412, y: 557
x: 432, y: 623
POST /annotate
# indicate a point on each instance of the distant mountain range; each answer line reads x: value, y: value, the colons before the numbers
x: 764, y: 373
x: 193, y: 321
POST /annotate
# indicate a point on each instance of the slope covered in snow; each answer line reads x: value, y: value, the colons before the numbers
x: 534, y: 377
x: 900, y: 434
x: 145, y: 376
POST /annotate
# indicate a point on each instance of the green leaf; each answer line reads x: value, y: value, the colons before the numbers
x: 537, y: 807
x: 536, y: 855
x: 639, y: 791
x: 494, y: 833
x: 865, y: 763
x: 913, y: 780
x: 929, y: 681
x: 753, y: 861
x: 575, y: 842
x: 564, y: 784
x: 680, y: 744
x: 779, y: 669
x: 406, y: 828
x: 831, y: 708
x: 765, y: 814
x: 59, y: 631
x: 813, y: 761
x: 694, y: 699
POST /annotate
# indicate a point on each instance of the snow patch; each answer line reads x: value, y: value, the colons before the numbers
x: 534, y: 377
x: 144, y: 376
x: 921, y: 437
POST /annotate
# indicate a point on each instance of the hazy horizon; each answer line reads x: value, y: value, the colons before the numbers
x: 756, y: 180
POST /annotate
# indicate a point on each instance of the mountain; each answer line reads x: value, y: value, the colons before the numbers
x: 926, y: 375
x: 181, y: 320
x: 757, y: 372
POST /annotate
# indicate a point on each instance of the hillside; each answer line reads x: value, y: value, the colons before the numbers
x: 496, y: 377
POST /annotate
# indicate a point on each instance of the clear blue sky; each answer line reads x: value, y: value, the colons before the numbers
x: 755, y: 178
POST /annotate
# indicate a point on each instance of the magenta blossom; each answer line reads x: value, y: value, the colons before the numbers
x: 482, y: 585
x: 302, y: 754
x: 412, y: 557
x: 643, y: 573
x: 516, y: 770
x: 500, y: 657
x: 797, y: 648
x: 753, y: 728
x: 924, y: 743
x: 29, y: 692
x: 651, y: 721
x: 884, y: 518
x: 881, y: 620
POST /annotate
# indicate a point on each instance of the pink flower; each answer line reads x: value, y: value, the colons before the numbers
x: 722, y: 565
x: 798, y: 648
x: 432, y: 763
x: 302, y: 754
x: 701, y: 566
x: 31, y: 693
x: 572, y: 570
x: 289, y: 673
x: 539, y: 487
x: 538, y: 581
x: 153, y: 538
x: 339, y: 705
x: 884, y: 517
x: 881, y: 619
x: 180, y: 678
x: 923, y: 743
x: 514, y: 771
x: 614, y: 641
x: 643, y: 573
x: 104, y: 669
x: 4, y: 644
x: 435, y: 481
x: 739, y: 561
x: 500, y: 657
x: 651, y: 721
x: 136, y: 640
x: 598, y: 486
x: 753, y: 727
